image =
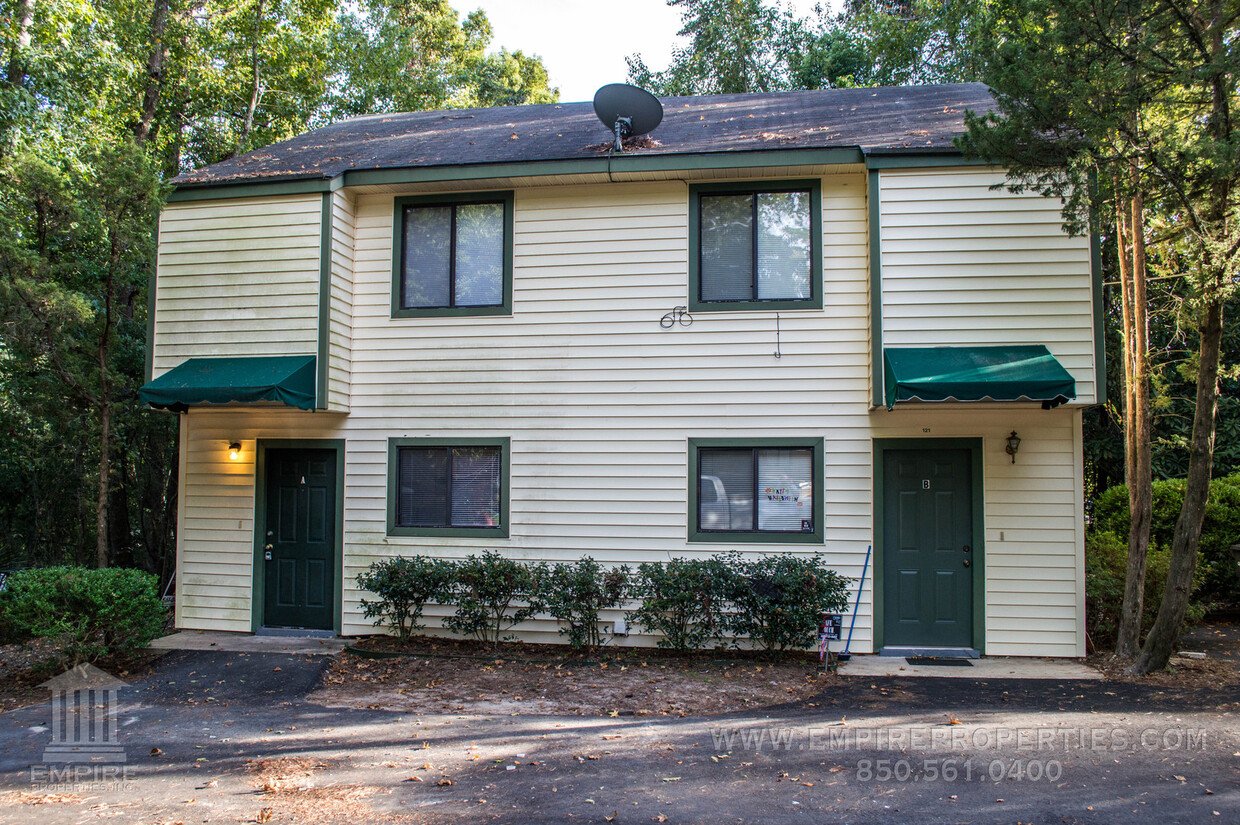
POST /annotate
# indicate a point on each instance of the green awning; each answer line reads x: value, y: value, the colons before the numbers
x: 285, y: 379
x: 1000, y: 373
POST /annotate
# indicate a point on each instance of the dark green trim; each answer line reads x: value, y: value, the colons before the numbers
x: 720, y: 537
x: 814, y: 301
x: 151, y: 284
x: 876, y: 287
x: 921, y: 161
x: 618, y: 164
x: 1100, y: 354
x: 250, y: 189
x: 398, y: 232
x: 325, y: 300
x: 261, y: 447
x: 978, y: 491
x: 505, y: 451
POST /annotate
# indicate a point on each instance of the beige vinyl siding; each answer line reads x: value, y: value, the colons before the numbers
x: 599, y: 403
x: 964, y: 264
x: 237, y: 277
x: 340, y: 319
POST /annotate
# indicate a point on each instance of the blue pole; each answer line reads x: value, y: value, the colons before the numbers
x: 865, y: 567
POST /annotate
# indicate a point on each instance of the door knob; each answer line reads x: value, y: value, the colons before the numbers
x: 269, y: 547
x: 966, y: 562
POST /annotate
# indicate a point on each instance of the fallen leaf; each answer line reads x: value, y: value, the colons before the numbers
x: 671, y: 779
x: 445, y: 782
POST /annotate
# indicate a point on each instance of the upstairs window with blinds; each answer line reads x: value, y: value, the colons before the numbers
x: 756, y: 247
x: 756, y: 492
x: 448, y: 488
x: 453, y: 258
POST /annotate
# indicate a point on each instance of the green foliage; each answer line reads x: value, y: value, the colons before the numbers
x: 777, y: 600
x: 684, y: 600
x: 1106, y: 560
x: 1216, y: 578
x: 493, y: 594
x: 404, y: 584
x: 89, y: 614
x: 575, y: 592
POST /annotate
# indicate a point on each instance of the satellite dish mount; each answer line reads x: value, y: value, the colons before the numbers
x: 627, y: 111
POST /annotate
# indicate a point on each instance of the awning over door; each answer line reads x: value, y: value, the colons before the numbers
x: 998, y: 373
x: 284, y: 379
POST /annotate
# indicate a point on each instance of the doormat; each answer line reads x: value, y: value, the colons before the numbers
x: 934, y: 661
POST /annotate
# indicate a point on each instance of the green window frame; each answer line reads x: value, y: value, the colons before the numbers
x: 817, y: 509
x: 813, y: 301
x: 394, y: 528
x: 452, y: 202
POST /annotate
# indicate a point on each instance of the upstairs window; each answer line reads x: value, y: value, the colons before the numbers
x: 448, y: 488
x: 755, y: 246
x: 453, y: 255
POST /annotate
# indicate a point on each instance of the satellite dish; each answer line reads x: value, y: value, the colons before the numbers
x: 627, y: 110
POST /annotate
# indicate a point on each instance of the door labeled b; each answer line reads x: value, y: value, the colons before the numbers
x: 929, y: 557
x: 299, y: 539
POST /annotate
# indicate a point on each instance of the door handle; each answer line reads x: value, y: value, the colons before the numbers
x: 269, y: 547
x: 966, y: 562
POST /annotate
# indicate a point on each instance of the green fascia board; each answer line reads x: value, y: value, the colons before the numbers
x: 398, y: 253
x: 817, y: 288
x: 729, y: 537
x: 616, y: 164
x: 920, y: 160
x: 285, y: 379
x: 252, y: 188
x: 996, y: 373
x: 393, y: 487
x: 974, y: 445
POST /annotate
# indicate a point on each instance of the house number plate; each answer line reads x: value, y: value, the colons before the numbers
x: 925, y: 484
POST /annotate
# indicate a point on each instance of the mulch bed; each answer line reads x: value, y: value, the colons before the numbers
x: 26, y: 665
x: 443, y: 675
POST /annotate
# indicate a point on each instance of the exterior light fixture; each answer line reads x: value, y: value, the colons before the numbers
x: 234, y: 451
x: 1013, y: 444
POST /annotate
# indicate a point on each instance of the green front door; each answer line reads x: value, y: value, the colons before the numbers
x: 928, y: 549
x: 299, y: 553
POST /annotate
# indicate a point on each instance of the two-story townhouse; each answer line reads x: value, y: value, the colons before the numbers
x: 792, y: 322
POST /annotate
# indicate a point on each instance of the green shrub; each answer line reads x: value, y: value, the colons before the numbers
x: 1216, y: 566
x: 88, y: 613
x: 1106, y: 560
x: 684, y: 600
x: 778, y: 600
x: 575, y: 593
x: 404, y: 585
x: 493, y: 594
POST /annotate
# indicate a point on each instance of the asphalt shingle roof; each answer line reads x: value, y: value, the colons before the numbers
x: 898, y: 119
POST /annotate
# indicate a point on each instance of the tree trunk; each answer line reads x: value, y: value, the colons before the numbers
x: 1163, y: 635
x: 255, y: 80
x: 144, y: 128
x: 1138, y: 472
x: 15, y: 74
x: 101, y: 505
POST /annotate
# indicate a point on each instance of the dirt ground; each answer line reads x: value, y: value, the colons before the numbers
x: 521, y: 680
x: 23, y: 667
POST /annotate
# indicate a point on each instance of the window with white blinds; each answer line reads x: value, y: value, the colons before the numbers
x: 448, y: 486
x: 756, y: 490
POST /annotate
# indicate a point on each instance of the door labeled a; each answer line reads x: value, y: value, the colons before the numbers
x: 929, y: 558
x: 299, y: 552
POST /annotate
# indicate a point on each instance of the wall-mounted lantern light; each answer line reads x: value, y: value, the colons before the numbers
x: 1013, y: 444
x: 234, y: 451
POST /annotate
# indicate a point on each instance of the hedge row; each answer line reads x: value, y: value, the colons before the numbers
x: 774, y: 602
